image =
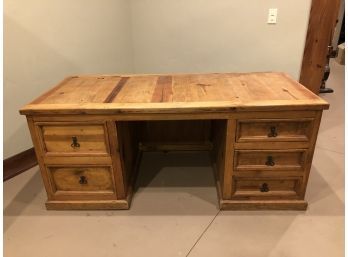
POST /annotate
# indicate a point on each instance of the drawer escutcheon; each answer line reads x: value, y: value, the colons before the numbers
x: 264, y: 187
x: 83, y: 180
x: 270, y: 161
x: 273, y: 132
x: 74, y: 144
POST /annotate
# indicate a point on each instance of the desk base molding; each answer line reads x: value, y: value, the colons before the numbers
x: 298, y: 205
x: 88, y: 205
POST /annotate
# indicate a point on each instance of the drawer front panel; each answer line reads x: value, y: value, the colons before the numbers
x: 74, y: 139
x: 269, y: 160
x: 81, y: 180
x: 274, y: 130
x: 266, y: 187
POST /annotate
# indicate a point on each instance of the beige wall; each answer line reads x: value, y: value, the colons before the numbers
x: 45, y: 41
x: 224, y: 35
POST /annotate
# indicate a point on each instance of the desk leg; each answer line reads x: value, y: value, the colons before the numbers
x: 228, y: 160
x: 116, y: 160
x: 223, y: 141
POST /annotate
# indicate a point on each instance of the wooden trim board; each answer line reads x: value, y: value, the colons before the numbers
x: 321, y: 26
x: 19, y: 163
x: 295, y: 205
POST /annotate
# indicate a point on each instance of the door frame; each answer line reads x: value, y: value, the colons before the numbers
x: 321, y: 27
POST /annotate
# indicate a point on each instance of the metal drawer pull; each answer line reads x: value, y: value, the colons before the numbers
x: 264, y: 188
x: 75, y: 144
x: 83, y: 180
x: 273, y: 132
x: 270, y: 161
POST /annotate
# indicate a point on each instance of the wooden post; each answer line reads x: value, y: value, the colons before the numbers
x: 322, y: 22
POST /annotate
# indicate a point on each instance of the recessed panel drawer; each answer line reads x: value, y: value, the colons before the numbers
x: 81, y: 180
x: 266, y: 187
x: 272, y: 130
x: 269, y: 159
x: 74, y: 139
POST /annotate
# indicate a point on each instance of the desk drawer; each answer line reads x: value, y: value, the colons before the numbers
x: 74, y: 139
x: 270, y: 130
x: 81, y: 180
x: 269, y: 159
x: 266, y: 187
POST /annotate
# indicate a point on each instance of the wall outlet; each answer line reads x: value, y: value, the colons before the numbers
x: 272, y: 16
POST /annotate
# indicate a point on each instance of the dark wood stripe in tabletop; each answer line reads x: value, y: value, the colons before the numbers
x: 116, y: 90
x: 163, y: 90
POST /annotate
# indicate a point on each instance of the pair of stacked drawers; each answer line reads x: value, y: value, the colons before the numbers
x: 77, y: 161
x: 271, y: 160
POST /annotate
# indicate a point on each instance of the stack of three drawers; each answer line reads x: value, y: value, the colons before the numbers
x: 271, y: 161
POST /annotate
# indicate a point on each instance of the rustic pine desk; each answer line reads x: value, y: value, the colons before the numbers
x: 261, y: 128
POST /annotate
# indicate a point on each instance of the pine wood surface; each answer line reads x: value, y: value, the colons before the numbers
x: 279, y: 188
x: 58, y: 138
x: 281, y: 159
x: 68, y: 178
x: 261, y: 128
x: 175, y: 93
x: 286, y: 129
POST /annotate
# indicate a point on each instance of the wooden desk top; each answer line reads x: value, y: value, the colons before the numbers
x: 176, y: 93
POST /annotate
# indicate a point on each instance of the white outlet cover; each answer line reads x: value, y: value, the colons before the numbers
x: 272, y: 16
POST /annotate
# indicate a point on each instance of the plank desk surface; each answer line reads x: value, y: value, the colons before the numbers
x: 89, y: 132
x: 175, y: 93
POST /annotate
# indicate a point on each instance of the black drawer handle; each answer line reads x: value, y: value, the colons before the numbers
x: 264, y: 188
x: 270, y: 161
x: 273, y: 132
x: 83, y: 180
x: 74, y: 144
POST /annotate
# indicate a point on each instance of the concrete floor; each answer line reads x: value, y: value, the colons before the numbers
x: 174, y: 211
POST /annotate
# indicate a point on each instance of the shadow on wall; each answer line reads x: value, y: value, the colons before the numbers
x: 30, y: 68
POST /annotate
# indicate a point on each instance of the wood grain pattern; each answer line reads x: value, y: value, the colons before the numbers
x: 116, y: 117
x: 88, y: 205
x: 52, y: 90
x: 294, y: 114
x: 175, y: 93
x: 281, y: 159
x: 19, y: 163
x: 322, y: 22
x: 284, y: 130
x: 254, y: 205
x: 58, y: 138
x: 64, y: 159
x: 292, y: 156
x: 119, y: 170
x: 96, y: 179
x: 163, y: 91
x: 116, y: 90
x: 218, y: 153
x: 278, y: 188
x: 311, y: 149
x: 35, y: 137
x: 129, y: 111
x: 77, y: 90
x: 228, y: 158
